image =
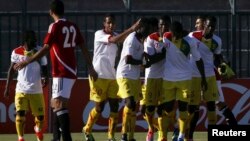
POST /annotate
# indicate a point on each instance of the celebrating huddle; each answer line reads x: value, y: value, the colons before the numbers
x: 180, y: 69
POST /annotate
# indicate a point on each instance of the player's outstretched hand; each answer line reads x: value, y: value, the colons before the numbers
x: 20, y: 65
x: 136, y: 25
x: 45, y: 81
x: 93, y: 74
x: 203, y: 85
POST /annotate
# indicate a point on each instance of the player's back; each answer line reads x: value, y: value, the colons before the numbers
x: 63, y: 36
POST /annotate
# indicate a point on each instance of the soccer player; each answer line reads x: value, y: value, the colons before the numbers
x: 210, y: 49
x: 105, y: 88
x: 152, y: 87
x: 29, y: 92
x: 178, y: 74
x: 128, y: 76
x: 61, y: 40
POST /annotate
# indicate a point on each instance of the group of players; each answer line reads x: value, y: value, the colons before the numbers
x: 179, y: 70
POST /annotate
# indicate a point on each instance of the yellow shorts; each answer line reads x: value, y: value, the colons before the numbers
x: 176, y: 90
x: 151, y: 92
x: 102, y: 89
x: 33, y: 101
x: 129, y: 87
x: 210, y: 95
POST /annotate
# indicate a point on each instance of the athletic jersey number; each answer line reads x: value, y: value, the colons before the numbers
x: 68, y: 31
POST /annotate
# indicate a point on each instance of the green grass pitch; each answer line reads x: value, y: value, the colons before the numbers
x: 99, y: 136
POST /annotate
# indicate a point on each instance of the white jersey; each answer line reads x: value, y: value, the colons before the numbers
x: 177, y: 64
x: 104, y: 55
x: 131, y: 46
x: 29, y: 78
x: 153, y: 46
x: 207, y: 53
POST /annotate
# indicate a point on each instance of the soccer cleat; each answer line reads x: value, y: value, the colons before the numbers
x: 150, y: 136
x: 89, y: 137
x: 39, y: 134
x: 21, y: 139
x: 175, y: 134
x: 124, y: 137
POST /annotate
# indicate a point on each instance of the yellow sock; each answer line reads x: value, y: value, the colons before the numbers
x: 132, y: 123
x: 212, y: 117
x: 182, y: 121
x: 149, y: 117
x: 93, y: 116
x: 163, y: 122
x: 125, y: 119
x: 113, y: 120
x: 39, y: 123
x: 20, y: 123
x: 155, y: 123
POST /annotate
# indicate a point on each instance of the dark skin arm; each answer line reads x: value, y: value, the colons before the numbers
x: 157, y: 56
x: 132, y: 61
x: 36, y: 56
x: 121, y: 37
x: 200, y: 66
x: 45, y: 75
x: 218, y: 59
x: 10, y: 75
x: 92, y: 72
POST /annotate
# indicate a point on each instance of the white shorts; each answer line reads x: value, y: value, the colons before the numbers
x: 221, y: 96
x: 62, y: 87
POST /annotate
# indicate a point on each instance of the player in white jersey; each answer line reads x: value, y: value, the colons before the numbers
x: 178, y: 74
x: 152, y: 87
x: 29, y: 92
x: 61, y: 41
x: 105, y: 88
x: 128, y: 77
x: 210, y: 49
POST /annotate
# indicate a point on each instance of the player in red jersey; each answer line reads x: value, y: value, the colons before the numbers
x: 61, y: 40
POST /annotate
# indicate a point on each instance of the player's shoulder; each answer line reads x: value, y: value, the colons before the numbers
x: 19, y: 50
x: 168, y: 35
x: 154, y: 36
x: 196, y: 34
x: 100, y: 32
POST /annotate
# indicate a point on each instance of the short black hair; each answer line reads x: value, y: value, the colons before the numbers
x: 202, y: 17
x: 145, y: 27
x: 212, y: 19
x: 57, y: 7
x: 112, y: 16
x: 28, y: 34
x: 176, y: 27
x: 166, y: 19
x: 153, y: 21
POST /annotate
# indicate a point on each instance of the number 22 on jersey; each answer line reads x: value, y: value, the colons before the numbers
x: 69, y: 32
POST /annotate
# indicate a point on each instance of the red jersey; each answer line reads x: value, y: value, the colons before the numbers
x: 63, y: 36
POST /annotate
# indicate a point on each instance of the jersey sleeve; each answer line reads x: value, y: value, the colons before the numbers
x: 100, y: 36
x: 50, y: 36
x: 149, y: 46
x: 14, y: 57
